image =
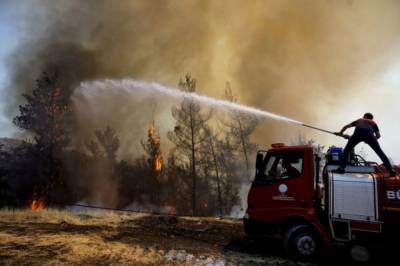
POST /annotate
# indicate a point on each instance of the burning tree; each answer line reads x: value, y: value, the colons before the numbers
x: 152, y: 149
x: 46, y: 115
x: 154, y: 160
x: 188, y: 134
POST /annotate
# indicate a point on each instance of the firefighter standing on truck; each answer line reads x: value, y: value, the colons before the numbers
x: 367, y: 131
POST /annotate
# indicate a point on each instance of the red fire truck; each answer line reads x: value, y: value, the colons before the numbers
x: 298, y: 197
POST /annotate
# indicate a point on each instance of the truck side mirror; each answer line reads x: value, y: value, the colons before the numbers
x: 259, y: 160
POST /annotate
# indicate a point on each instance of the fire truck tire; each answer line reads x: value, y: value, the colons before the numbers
x: 301, y: 242
x: 360, y: 254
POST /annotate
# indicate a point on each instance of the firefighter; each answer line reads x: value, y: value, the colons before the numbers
x: 367, y: 131
x: 290, y: 171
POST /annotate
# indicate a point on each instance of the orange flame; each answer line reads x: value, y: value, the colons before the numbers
x: 153, y: 134
x: 56, y: 92
x: 37, y: 204
x: 158, y: 162
x: 155, y: 141
x: 171, y: 210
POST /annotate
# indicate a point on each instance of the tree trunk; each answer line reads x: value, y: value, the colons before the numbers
x: 244, y: 147
x: 193, y: 170
x: 217, y: 176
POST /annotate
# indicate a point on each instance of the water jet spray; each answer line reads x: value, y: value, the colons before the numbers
x: 130, y: 85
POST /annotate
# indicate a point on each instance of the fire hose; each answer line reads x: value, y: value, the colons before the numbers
x: 327, y: 131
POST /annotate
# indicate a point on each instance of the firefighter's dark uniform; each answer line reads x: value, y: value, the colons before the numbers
x: 365, y: 131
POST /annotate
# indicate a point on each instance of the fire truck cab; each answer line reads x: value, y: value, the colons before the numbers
x: 309, y: 206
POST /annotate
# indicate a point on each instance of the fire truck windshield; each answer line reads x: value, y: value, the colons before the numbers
x: 280, y: 165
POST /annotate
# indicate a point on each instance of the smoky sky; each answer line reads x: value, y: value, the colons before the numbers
x: 295, y: 58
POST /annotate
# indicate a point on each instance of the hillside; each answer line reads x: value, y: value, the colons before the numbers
x: 8, y: 143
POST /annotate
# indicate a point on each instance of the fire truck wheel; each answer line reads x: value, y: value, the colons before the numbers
x: 360, y: 254
x: 301, y: 242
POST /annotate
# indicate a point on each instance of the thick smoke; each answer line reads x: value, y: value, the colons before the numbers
x: 296, y: 58
x: 289, y: 57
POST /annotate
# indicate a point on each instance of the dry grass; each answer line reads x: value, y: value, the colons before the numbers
x: 55, y: 216
x: 52, y: 237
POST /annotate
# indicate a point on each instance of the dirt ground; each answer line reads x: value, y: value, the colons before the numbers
x: 51, y: 237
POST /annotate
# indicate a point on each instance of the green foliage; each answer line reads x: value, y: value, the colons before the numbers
x: 46, y: 113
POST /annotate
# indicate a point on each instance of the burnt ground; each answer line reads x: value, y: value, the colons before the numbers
x: 56, y: 238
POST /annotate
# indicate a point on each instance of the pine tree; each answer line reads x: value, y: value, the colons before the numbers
x: 155, y: 162
x: 231, y: 173
x: 47, y: 116
x: 109, y: 142
x: 102, y: 167
x: 152, y: 149
x: 47, y: 113
x: 211, y: 151
x: 240, y: 127
x: 178, y: 185
x: 188, y: 134
x: 105, y: 146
